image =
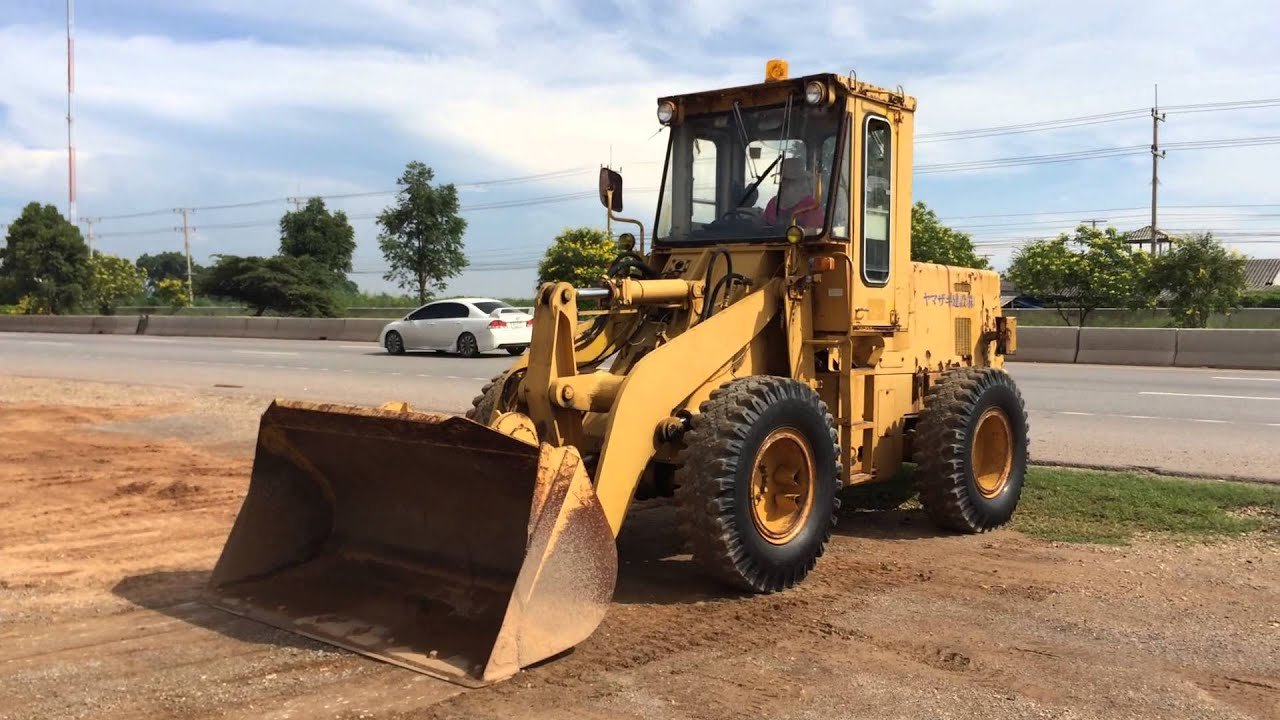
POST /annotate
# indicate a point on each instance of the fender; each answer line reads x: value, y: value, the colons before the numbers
x: 664, y: 379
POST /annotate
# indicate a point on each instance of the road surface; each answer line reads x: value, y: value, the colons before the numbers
x: 1213, y: 423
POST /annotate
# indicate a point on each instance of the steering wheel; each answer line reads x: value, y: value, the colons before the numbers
x: 746, y: 213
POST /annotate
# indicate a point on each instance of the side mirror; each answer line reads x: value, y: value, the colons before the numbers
x: 611, y: 181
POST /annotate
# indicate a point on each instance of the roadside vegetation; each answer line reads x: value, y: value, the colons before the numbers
x: 1114, y: 508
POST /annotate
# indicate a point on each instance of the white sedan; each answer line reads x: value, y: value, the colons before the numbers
x: 467, y: 326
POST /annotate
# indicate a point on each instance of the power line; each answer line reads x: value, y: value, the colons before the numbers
x: 1104, y: 210
x: 1097, y: 119
x: 1042, y: 125
x: 1090, y: 154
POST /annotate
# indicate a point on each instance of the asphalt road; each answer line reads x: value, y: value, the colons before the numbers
x: 1214, y: 423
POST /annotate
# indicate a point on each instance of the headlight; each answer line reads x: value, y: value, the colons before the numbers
x: 815, y: 92
x: 626, y: 241
x: 666, y: 112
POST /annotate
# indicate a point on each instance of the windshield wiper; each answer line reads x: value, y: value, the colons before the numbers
x: 755, y: 185
x: 746, y: 143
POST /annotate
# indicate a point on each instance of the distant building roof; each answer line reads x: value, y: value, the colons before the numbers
x: 1143, y: 235
x: 1261, y: 273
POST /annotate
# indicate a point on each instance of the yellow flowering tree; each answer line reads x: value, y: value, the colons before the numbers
x: 1083, y: 272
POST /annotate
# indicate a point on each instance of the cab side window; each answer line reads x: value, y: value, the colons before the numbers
x: 877, y: 163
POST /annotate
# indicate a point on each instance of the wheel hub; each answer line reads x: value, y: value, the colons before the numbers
x: 992, y: 452
x: 782, y: 482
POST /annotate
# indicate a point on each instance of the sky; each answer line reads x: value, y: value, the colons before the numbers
x: 209, y: 103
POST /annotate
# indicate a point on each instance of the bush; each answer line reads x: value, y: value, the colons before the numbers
x: 1269, y: 298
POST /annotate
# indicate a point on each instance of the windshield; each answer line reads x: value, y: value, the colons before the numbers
x: 747, y: 174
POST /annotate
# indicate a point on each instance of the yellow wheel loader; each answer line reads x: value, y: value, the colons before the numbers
x: 773, y: 348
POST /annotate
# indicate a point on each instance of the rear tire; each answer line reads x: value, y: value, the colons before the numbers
x: 971, y: 450
x: 467, y: 345
x: 393, y: 343
x: 756, y: 488
x: 517, y: 350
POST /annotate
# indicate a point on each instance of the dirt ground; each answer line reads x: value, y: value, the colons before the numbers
x: 115, y: 500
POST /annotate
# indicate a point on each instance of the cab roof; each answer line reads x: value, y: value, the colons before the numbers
x: 770, y: 91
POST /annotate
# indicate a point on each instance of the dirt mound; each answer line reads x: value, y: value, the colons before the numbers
x: 178, y: 489
x: 135, y: 487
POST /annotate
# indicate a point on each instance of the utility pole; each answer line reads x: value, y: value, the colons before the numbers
x: 71, y: 148
x: 1157, y: 117
x: 1094, y: 221
x: 88, y: 226
x: 186, y: 246
x: 296, y: 201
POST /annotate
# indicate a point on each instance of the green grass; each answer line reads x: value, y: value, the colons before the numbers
x: 1113, y: 508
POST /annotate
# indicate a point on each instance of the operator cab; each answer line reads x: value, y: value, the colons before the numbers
x: 751, y: 163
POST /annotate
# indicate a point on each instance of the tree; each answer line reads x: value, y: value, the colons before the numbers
x: 579, y: 256
x: 1092, y: 269
x: 45, y: 258
x: 421, y: 235
x: 282, y: 284
x: 111, y: 280
x: 168, y: 265
x: 314, y: 232
x: 171, y: 292
x: 1201, y: 278
x: 933, y: 242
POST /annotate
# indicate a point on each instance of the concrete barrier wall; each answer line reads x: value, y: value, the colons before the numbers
x: 288, y: 328
x: 1247, y: 349
x: 1127, y: 346
x: 16, y: 323
x: 47, y: 323
x: 1244, y: 349
x: 1046, y: 344
x: 114, y: 325
x: 362, y: 329
x: 260, y: 327
x: 1240, y: 318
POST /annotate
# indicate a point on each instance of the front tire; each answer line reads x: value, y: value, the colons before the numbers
x: 756, y: 489
x: 393, y: 343
x: 971, y: 450
x: 467, y: 345
x: 517, y: 351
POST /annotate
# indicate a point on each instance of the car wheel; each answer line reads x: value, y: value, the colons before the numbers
x: 394, y: 343
x: 517, y: 350
x: 467, y: 345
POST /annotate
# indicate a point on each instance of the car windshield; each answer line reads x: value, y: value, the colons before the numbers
x: 749, y: 173
x: 488, y: 306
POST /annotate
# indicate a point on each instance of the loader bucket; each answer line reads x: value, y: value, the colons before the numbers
x: 424, y: 540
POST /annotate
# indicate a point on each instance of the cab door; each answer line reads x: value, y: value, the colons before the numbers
x: 882, y: 216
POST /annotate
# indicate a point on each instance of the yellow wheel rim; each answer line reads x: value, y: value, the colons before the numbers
x: 992, y: 457
x: 782, y: 482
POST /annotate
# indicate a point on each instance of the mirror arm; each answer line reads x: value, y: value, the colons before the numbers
x: 637, y: 223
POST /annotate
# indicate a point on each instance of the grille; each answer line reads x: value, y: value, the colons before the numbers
x: 964, y: 336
